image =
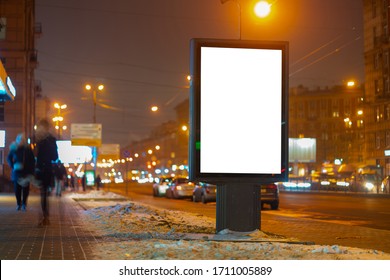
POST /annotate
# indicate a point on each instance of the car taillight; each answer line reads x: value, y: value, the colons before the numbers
x: 272, y: 186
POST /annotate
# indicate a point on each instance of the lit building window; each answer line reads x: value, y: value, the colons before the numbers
x: 377, y: 141
x: 387, y: 138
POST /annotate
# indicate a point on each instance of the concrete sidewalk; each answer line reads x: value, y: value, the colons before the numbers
x: 64, y: 239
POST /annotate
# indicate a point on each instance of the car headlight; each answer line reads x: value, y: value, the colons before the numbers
x: 369, y: 186
x: 342, y: 184
x: 304, y: 185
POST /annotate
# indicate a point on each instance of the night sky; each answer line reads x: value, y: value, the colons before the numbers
x: 139, y: 49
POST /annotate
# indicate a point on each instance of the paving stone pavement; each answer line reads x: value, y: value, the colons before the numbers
x: 64, y: 239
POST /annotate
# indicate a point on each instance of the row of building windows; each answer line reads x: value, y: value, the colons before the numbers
x: 374, y: 7
x: 382, y: 139
x: 382, y: 113
x: 385, y: 59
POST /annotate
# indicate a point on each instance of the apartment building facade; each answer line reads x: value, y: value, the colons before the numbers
x: 377, y: 82
x: 19, y: 58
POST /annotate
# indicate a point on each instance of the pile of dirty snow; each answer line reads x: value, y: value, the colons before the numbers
x: 131, y: 230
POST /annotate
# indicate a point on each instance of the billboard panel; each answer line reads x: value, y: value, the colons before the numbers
x: 238, y: 110
x: 73, y: 154
x: 2, y: 138
x: 302, y: 150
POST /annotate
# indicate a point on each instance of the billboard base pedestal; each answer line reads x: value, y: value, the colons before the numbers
x: 238, y: 207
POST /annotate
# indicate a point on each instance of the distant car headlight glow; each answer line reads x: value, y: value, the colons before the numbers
x: 289, y: 185
x: 342, y: 184
x: 369, y: 186
x: 304, y: 185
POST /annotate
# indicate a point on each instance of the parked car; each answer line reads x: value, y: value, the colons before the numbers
x: 204, y: 192
x: 180, y: 188
x: 161, y: 186
x: 368, y: 182
x: 269, y: 194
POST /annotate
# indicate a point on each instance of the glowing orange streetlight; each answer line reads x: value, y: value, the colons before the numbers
x: 261, y: 9
x: 89, y: 87
x: 58, y: 118
x: 351, y: 83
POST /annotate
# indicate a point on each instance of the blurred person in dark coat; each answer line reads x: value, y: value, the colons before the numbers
x: 22, y: 162
x: 46, y: 155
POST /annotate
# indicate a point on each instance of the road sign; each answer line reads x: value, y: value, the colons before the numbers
x: 86, y: 134
x: 109, y: 151
x: 126, y: 153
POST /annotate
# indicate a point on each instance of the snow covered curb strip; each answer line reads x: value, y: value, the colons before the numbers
x: 132, y: 230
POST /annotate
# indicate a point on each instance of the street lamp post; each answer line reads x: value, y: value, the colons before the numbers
x: 261, y: 9
x: 100, y: 87
x: 239, y: 18
x: 58, y: 118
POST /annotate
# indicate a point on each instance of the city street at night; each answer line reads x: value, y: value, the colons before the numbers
x: 228, y: 137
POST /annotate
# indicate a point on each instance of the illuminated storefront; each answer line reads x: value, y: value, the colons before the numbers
x: 7, y: 89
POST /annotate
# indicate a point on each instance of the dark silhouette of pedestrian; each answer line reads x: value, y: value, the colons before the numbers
x: 46, y: 155
x: 98, y: 182
x: 22, y: 161
x: 83, y: 179
x: 72, y: 185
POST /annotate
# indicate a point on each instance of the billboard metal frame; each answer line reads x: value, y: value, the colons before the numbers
x: 195, y: 113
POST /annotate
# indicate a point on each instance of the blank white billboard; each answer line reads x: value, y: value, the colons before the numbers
x: 2, y: 138
x: 241, y: 110
x: 73, y: 154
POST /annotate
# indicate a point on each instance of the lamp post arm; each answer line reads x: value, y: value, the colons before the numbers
x: 240, y: 13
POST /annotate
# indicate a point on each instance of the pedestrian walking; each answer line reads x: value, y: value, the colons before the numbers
x: 46, y: 155
x: 22, y: 162
x: 83, y: 182
x: 98, y: 182
x: 59, y: 177
x: 72, y: 183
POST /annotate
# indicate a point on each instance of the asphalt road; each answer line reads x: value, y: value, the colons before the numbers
x: 354, y: 220
x: 369, y: 210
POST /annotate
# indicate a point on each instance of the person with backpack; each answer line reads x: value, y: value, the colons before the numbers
x: 22, y: 161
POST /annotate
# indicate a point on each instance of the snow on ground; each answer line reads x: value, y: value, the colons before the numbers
x: 132, y: 230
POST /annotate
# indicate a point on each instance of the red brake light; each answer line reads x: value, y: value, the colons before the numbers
x: 272, y: 186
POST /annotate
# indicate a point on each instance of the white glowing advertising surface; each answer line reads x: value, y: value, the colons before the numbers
x: 73, y: 154
x: 302, y: 150
x: 241, y: 114
x: 2, y: 138
x: 238, y: 109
